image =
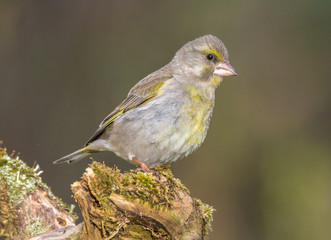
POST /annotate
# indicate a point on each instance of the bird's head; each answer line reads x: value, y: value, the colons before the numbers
x: 204, y: 59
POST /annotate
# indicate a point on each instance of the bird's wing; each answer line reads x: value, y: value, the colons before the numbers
x: 142, y: 92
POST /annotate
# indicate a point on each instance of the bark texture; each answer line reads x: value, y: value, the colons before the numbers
x: 114, y: 205
x: 27, y: 206
x: 138, y: 205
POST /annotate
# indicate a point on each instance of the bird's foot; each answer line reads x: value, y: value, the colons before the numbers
x: 142, y: 165
x: 145, y: 169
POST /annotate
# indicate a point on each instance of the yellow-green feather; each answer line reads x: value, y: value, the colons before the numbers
x: 131, y: 102
x: 197, y: 111
x: 154, y: 89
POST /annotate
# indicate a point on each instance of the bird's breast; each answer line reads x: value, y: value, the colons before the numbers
x: 164, y: 129
x: 198, y: 111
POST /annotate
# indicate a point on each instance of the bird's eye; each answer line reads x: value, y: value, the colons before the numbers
x: 210, y: 56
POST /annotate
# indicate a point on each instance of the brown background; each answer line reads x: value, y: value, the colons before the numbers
x: 265, y: 165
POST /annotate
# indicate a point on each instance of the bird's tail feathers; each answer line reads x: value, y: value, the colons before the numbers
x: 75, y: 156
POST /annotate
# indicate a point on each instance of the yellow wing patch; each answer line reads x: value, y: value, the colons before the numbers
x: 131, y: 102
x: 153, y: 90
x: 112, y: 118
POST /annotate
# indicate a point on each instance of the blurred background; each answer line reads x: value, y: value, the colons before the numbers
x: 266, y: 163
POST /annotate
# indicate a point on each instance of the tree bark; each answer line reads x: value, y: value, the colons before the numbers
x: 27, y: 206
x: 114, y: 205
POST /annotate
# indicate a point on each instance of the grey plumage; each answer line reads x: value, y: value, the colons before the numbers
x: 165, y: 115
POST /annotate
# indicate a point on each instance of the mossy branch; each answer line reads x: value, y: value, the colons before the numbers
x: 27, y: 205
x: 114, y: 205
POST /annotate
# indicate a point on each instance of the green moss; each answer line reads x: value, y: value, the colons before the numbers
x: 7, y: 216
x: 149, y: 188
x: 17, y: 180
x: 138, y: 232
x: 35, y: 227
x: 165, y: 170
x: 156, y: 190
x: 143, y: 186
x: 21, y: 179
x: 207, y: 214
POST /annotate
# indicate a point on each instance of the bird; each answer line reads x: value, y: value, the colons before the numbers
x: 166, y: 115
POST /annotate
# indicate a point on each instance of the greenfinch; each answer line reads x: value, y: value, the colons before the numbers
x: 166, y: 115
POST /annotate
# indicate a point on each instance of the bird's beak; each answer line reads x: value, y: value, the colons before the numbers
x: 224, y: 69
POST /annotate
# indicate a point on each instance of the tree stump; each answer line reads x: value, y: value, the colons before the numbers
x: 27, y: 206
x: 138, y: 205
x: 114, y: 205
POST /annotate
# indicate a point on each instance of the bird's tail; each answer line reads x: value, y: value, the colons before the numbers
x: 75, y: 156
